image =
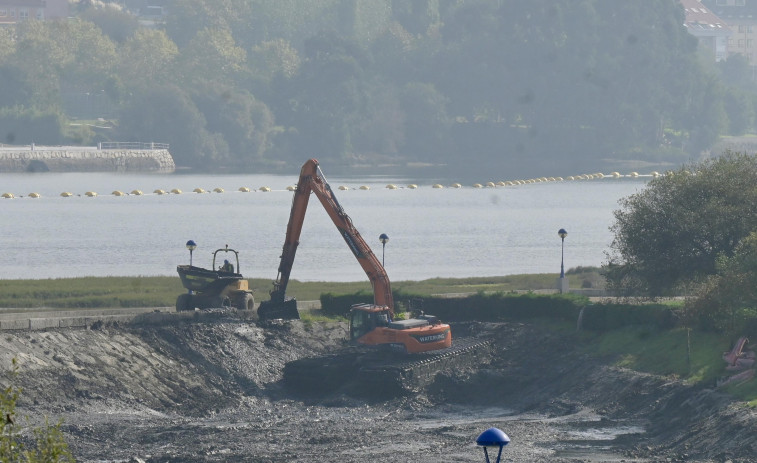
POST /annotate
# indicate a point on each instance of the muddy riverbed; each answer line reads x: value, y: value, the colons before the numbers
x: 210, y: 389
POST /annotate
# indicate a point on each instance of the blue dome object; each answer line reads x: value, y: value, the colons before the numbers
x: 492, y: 437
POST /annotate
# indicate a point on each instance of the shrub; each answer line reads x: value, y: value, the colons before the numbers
x: 49, y: 443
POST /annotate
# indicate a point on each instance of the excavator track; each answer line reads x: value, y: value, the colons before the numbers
x: 381, y: 374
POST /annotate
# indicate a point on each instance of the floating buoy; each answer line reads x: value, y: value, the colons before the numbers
x: 34, y: 195
x: 501, y: 183
x: 391, y: 187
x: 198, y: 190
x: 633, y: 174
x: 291, y: 187
x: 218, y: 190
x: 490, y: 184
x: 477, y: 185
x: 8, y: 195
x: 117, y: 193
x: 91, y: 194
x: 264, y: 188
x: 176, y: 191
x: 66, y: 194
x: 365, y: 187
x: 342, y: 187
x: 244, y: 189
x: 436, y: 185
x: 456, y: 185
x: 655, y: 173
x: 412, y: 186
x: 559, y: 179
x: 136, y: 192
x: 159, y: 192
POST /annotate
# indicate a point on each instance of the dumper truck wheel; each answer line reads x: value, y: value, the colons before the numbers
x: 183, y: 302
x: 245, y: 301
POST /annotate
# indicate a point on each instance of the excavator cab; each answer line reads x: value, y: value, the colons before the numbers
x: 365, y: 318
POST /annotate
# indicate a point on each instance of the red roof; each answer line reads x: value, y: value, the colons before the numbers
x: 700, y: 18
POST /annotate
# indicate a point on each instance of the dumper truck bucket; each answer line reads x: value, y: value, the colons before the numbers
x: 270, y: 310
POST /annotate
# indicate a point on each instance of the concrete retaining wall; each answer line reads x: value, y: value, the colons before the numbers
x: 42, y: 320
x: 85, y: 159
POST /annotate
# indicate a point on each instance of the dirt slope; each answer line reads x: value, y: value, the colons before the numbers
x: 211, y: 389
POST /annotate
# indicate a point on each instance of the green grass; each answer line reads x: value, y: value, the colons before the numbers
x: 665, y: 353
x: 114, y: 292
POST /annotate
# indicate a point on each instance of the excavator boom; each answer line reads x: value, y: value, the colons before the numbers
x: 313, y: 181
x: 370, y: 324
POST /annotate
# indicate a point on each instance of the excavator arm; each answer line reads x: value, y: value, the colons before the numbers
x: 312, y: 181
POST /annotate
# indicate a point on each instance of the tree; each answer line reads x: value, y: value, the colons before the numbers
x: 324, y: 101
x: 147, y: 58
x: 166, y: 114
x: 730, y: 296
x: 113, y: 21
x: 212, y: 56
x: 244, y: 122
x: 7, y: 43
x: 671, y: 233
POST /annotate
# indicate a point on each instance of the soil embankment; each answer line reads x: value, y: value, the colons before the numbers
x: 210, y: 388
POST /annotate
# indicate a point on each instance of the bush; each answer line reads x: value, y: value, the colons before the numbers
x: 49, y: 444
x: 518, y: 307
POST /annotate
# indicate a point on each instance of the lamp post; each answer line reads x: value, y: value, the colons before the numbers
x: 493, y: 437
x: 562, y: 234
x: 191, y: 245
x: 562, y: 282
x: 384, y: 238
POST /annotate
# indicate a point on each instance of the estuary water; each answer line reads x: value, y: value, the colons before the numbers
x: 433, y: 232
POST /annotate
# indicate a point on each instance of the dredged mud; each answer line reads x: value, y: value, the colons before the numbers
x: 210, y: 389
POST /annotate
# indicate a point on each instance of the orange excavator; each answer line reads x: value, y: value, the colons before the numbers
x: 370, y: 324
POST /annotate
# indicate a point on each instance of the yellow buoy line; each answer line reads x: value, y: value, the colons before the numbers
x: 390, y: 186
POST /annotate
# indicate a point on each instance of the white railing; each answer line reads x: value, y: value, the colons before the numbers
x: 131, y: 145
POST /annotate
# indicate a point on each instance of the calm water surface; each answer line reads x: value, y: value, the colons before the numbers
x: 433, y: 232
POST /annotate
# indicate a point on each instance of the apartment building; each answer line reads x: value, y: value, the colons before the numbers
x: 741, y: 18
x: 13, y: 11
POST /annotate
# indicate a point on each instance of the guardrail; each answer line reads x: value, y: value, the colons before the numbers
x: 131, y: 145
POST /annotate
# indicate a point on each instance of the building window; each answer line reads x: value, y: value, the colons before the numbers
x: 13, y: 13
x: 741, y: 43
x: 40, y: 14
x: 3, y: 12
x: 23, y: 13
x: 749, y: 43
x: 742, y: 28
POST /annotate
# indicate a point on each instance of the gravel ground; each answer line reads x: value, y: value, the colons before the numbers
x: 210, y: 389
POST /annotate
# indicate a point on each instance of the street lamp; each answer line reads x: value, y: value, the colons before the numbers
x: 493, y: 437
x: 384, y: 238
x: 562, y: 234
x: 191, y: 245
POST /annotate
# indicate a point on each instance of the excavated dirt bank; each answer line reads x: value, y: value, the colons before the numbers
x: 211, y: 390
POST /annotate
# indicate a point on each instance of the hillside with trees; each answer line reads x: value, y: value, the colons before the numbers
x: 556, y: 86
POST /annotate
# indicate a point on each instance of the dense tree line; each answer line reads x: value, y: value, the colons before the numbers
x: 254, y: 84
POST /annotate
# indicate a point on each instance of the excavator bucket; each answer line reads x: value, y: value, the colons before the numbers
x: 270, y: 310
